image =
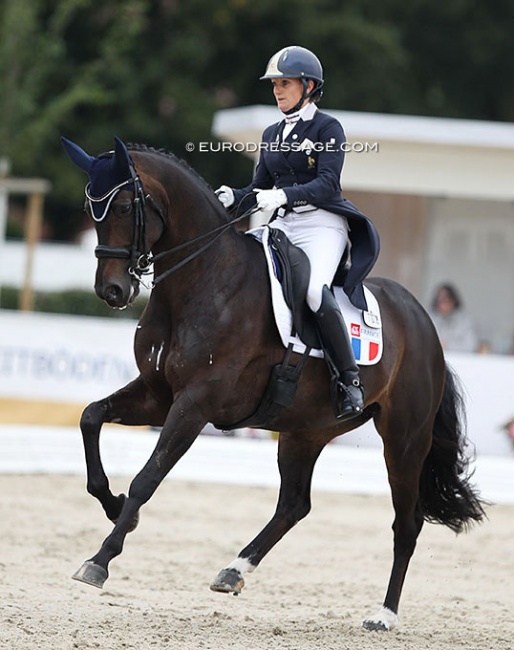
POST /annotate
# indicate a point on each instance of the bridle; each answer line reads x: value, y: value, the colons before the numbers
x: 136, y: 252
x: 141, y: 259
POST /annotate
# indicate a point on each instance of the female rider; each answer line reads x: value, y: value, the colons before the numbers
x: 298, y: 178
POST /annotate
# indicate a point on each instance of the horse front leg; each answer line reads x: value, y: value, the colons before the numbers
x: 132, y: 405
x: 182, y: 426
x: 296, y: 460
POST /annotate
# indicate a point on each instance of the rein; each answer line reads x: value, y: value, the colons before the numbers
x: 217, y: 232
x: 140, y: 259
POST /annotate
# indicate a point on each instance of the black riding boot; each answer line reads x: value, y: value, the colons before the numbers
x: 340, y: 358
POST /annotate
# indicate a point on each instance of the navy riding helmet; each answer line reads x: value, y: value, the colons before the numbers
x: 295, y: 62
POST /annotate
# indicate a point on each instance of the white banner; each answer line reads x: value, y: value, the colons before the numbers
x: 64, y: 358
x: 77, y: 360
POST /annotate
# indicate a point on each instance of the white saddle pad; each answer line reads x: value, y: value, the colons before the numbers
x: 364, y: 328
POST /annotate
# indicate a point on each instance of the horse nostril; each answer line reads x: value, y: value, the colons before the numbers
x: 113, y: 294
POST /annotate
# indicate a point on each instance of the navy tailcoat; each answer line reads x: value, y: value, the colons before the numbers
x: 307, y: 165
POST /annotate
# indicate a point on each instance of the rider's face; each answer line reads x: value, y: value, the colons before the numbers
x: 288, y: 92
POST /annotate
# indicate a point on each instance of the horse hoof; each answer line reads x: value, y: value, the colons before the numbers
x: 228, y: 581
x: 375, y: 626
x: 91, y: 574
x: 384, y: 621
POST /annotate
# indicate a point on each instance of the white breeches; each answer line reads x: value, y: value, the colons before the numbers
x: 323, y: 236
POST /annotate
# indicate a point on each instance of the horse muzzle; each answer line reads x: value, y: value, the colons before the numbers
x: 114, y: 284
x: 117, y: 290
x: 116, y: 296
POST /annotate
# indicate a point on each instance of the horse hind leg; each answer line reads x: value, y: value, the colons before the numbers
x: 404, y: 456
x: 296, y: 460
x: 429, y: 480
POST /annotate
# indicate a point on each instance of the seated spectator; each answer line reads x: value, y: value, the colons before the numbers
x: 456, y: 329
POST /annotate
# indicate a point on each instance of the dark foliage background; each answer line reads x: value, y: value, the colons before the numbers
x: 155, y: 71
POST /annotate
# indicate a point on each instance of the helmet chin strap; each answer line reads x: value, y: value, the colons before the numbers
x: 305, y: 95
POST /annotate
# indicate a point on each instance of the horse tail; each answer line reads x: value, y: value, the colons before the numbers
x: 446, y: 495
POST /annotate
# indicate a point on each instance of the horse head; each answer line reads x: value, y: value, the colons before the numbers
x: 117, y: 202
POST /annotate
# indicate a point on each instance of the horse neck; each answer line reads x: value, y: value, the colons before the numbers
x: 215, y: 266
x: 193, y: 208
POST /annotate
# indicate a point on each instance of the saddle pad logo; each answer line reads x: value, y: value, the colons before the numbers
x: 365, y: 346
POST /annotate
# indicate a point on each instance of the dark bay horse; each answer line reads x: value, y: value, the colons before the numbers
x: 205, y: 346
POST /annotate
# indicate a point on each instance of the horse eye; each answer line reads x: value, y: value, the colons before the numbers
x: 123, y: 208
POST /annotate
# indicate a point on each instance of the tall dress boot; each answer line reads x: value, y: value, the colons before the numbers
x: 339, y: 356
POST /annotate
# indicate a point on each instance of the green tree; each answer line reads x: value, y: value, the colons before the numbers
x: 155, y: 71
x: 43, y: 85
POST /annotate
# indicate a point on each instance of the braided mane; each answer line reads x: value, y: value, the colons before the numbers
x: 144, y: 148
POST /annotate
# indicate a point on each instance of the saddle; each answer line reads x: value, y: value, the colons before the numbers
x: 293, y: 272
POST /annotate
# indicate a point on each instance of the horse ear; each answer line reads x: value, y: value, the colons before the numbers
x: 77, y: 155
x: 122, y: 160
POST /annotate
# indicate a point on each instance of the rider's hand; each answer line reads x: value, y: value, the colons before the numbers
x: 270, y: 200
x: 225, y: 195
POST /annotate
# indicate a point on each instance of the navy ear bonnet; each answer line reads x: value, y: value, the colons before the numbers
x: 108, y: 174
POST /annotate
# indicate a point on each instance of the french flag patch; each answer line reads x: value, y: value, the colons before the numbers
x: 363, y: 347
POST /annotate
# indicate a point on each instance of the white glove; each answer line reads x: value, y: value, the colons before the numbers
x: 225, y: 195
x: 270, y: 200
